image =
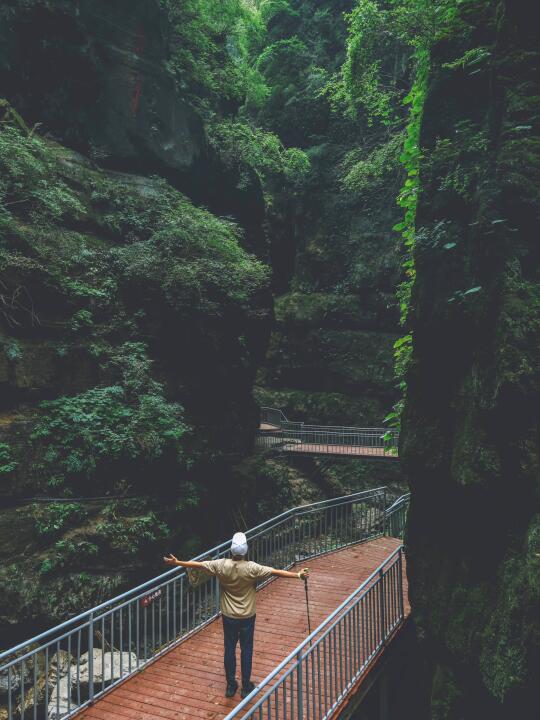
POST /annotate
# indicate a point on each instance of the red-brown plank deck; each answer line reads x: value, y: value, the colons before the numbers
x: 188, y: 681
x: 352, y: 450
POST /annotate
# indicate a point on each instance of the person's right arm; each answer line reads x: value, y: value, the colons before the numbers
x: 171, y: 560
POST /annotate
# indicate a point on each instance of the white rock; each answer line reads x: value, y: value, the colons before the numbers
x: 61, y: 683
x: 107, y: 665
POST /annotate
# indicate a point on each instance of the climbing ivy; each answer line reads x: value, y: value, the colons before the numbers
x: 413, y: 25
x: 408, y: 200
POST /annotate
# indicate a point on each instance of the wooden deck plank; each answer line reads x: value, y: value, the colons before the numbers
x: 187, y: 683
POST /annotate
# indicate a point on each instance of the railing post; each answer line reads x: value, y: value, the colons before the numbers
x: 299, y: 687
x: 400, y: 562
x: 382, y: 606
x: 384, y: 512
x: 91, y: 658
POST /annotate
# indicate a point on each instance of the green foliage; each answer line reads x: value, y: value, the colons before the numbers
x: 408, y: 200
x: 7, y: 463
x: 29, y: 179
x: 190, y: 497
x: 456, y: 160
x: 128, y: 421
x: 210, y: 50
x: 368, y: 42
x: 81, y: 319
x: 470, y: 59
x: 369, y: 174
x: 408, y: 197
x: 377, y: 30
x: 294, y: 108
x: 130, y: 535
x: 11, y: 348
x: 53, y: 519
x: 125, y: 210
x: 241, y: 144
x: 194, y: 259
x: 101, y: 423
x: 69, y: 553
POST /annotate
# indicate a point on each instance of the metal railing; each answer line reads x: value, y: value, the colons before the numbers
x: 330, y: 442
x: 299, y: 438
x: 272, y: 416
x: 396, y: 516
x: 317, y: 676
x: 60, y: 671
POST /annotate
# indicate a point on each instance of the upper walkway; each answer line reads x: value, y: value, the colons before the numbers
x: 279, y: 434
x: 157, y: 651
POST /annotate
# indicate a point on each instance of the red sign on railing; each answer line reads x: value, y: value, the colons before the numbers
x: 149, y: 599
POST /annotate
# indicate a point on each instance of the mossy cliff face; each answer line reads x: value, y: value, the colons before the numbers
x: 104, y: 82
x: 99, y: 80
x: 333, y: 252
x: 132, y: 320
x: 471, y: 426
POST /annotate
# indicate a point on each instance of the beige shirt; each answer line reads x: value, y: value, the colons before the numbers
x: 238, y: 581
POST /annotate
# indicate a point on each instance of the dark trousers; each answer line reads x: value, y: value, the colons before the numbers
x: 234, y: 630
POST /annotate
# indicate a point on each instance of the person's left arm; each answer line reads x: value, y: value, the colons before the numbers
x: 302, y: 575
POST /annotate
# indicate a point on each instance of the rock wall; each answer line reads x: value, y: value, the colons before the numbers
x: 131, y: 319
x: 471, y: 427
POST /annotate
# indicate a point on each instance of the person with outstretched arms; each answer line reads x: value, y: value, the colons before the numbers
x: 238, y: 579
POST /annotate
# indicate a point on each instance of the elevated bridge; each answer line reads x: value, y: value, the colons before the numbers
x: 156, y: 650
x: 278, y: 434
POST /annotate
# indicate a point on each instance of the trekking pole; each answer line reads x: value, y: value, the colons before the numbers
x: 307, y: 605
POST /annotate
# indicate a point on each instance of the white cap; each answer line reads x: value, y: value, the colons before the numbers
x: 239, y: 544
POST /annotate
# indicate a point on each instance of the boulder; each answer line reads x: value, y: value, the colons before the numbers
x: 15, y: 681
x: 106, y: 667
x: 61, y: 685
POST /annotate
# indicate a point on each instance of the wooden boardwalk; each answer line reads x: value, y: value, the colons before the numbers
x: 188, y: 681
x: 348, y: 450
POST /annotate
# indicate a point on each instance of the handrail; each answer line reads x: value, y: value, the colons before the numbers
x: 396, y: 516
x: 145, y: 621
x: 399, y: 501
